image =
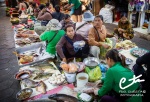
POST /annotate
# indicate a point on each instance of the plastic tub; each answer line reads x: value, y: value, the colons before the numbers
x: 82, y: 79
x: 71, y: 77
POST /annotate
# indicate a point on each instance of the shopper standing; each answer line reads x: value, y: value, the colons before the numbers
x: 76, y: 9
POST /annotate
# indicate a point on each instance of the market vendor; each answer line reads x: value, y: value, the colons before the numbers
x: 81, y: 27
x: 76, y: 9
x: 52, y: 35
x: 44, y: 17
x: 97, y: 38
x: 66, y: 20
x: 124, y: 29
x: 111, y: 83
x: 35, y: 9
x: 65, y: 47
x: 49, y: 7
x: 23, y: 6
x: 139, y: 69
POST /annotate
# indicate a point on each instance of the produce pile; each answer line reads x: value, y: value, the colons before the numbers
x: 69, y: 68
x: 126, y: 44
x: 14, y: 20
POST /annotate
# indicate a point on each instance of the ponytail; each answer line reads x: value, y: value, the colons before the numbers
x: 116, y: 57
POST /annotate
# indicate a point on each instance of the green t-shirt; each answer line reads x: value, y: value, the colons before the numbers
x: 48, y: 35
x: 112, y: 79
x: 76, y: 3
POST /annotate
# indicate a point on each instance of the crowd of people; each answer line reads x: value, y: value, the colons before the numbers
x: 61, y: 31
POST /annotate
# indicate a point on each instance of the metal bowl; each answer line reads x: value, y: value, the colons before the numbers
x: 24, y: 94
x: 91, y: 62
x: 23, y: 74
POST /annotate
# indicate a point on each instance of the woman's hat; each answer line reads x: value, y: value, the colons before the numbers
x: 54, y: 24
x: 88, y: 16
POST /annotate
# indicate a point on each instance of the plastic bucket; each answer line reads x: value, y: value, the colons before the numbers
x: 71, y: 77
x: 82, y: 79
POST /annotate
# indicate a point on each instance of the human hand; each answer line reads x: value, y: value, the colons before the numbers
x: 120, y: 30
x: 126, y: 36
x: 105, y: 46
x: 64, y: 60
x: 96, y: 91
x: 88, y: 90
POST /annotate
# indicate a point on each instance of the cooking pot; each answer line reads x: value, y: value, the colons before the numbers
x: 91, y: 62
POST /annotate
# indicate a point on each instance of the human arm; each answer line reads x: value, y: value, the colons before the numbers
x: 144, y: 59
x: 43, y: 36
x: 20, y: 7
x: 69, y: 7
x: 107, y: 85
x: 59, y: 48
x: 43, y: 16
x: 93, y: 42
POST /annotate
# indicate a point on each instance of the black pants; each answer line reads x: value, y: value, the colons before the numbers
x: 146, y: 84
x: 80, y: 54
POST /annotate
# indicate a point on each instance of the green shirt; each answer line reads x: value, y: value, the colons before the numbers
x: 112, y: 79
x: 76, y: 3
x: 48, y: 35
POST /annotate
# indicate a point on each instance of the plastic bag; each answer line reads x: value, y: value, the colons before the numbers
x: 94, y: 73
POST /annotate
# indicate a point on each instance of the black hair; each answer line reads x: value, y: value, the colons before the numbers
x: 20, y: 0
x: 41, y: 6
x: 30, y: 3
x: 99, y: 16
x: 67, y: 26
x: 114, y: 55
x: 47, y: 4
x: 123, y: 15
x: 57, y: 8
x: 66, y: 16
x: 33, y: 4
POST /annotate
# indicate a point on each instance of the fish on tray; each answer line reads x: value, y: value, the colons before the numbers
x: 41, y: 87
x: 63, y: 98
x: 40, y: 76
x: 29, y: 83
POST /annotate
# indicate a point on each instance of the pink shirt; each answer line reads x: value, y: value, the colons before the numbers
x: 84, y: 30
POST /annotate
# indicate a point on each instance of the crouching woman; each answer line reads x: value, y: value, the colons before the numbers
x: 113, y: 89
x: 66, y: 49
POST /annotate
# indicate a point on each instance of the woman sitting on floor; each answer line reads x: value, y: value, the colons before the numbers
x: 124, y: 30
x: 97, y: 38
x: 111, y: 89
x: 52, y: 35
x: 44, y: 17
x: 65, y: 48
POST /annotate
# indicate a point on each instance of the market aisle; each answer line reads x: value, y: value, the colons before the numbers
x: 8, y: 61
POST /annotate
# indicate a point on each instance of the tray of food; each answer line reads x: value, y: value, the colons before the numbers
x: 138, y: 52
x: 32, y: 54
x: 25, y: 37
x: 125, y: 45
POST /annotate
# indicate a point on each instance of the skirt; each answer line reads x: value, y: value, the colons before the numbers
x: 78, y: 11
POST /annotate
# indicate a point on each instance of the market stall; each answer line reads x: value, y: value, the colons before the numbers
x: 41, y: 77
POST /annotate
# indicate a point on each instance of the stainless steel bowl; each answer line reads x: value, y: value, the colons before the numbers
x: 91, y: 62
x: 26, y: 93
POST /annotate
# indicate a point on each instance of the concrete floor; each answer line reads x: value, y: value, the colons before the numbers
x: 8, y: 61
